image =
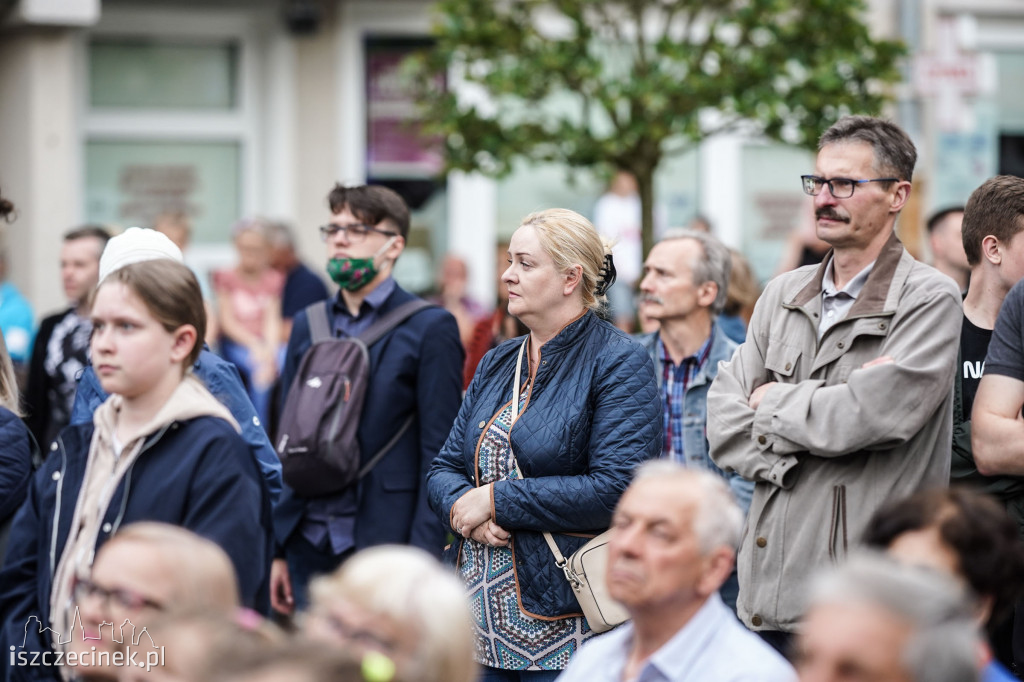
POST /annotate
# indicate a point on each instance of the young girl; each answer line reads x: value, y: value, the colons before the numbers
x: 161, y: 448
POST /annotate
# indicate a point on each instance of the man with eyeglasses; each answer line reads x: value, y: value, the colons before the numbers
x: 840, y: 398
x: 415, y: 372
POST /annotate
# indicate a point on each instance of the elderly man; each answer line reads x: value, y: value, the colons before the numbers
x: 873, y: 619
x: 675, y: 533
x: 840, y: 398
x: 686, y: 275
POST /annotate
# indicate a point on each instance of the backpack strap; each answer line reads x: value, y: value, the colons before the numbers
x: 377, y: 330
x: 379, y: 455
x: 319, y: 324
x: 385, y: 324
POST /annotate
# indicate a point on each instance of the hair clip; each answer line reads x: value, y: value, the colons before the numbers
x: 607, y: 278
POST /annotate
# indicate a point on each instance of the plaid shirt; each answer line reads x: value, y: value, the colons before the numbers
x: 675, y: 380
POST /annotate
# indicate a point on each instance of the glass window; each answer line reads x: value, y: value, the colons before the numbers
x: 130, y: 183
x: 151, y: 74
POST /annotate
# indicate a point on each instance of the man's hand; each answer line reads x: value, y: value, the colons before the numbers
x: 758, y: 395
x: 281, y: 588
x: 471, y: 510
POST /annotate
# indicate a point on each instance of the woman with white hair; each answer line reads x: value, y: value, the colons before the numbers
x: 400, y: 602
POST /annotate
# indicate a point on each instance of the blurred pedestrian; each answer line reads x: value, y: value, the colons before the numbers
x: 584, y: 415
x: 302, y: 287
x: 873, y: 619
x: 966, y: 535
x: 16, y: 450
x: 249, y: 312
x: 453, y: 296
x: 945, y: 241
x: 400, y: 602
x: 618, y: 218
x: 61, y: 349
x: 740, y: 298
x: 17, y: 321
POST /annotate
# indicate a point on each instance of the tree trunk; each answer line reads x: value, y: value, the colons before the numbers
x: 645, y: 186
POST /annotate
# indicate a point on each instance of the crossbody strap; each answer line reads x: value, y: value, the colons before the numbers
x: 386, y: 323
x: 560, y: 560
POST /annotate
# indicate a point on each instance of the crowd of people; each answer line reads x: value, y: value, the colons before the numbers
x: 820, y: 482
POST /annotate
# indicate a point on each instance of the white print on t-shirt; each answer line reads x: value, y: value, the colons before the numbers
x: 973, y: 370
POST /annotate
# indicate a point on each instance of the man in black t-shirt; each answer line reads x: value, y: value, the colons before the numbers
x: 992, y: 457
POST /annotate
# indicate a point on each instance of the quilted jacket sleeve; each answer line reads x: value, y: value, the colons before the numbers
x: 625, y: 431
x: 449, y: 477
x: 439, y: 392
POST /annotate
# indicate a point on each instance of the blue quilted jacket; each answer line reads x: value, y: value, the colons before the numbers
x: 592, y: 416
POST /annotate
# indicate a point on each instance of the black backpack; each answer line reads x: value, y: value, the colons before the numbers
x: 317, y: 440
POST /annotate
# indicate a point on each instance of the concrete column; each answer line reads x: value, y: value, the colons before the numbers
x: 720, y: 190
x: 40, y: 157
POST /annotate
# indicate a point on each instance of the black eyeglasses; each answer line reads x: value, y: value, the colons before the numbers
x: 355, y: 232
x: 83, y: 588
x: 841, y: 188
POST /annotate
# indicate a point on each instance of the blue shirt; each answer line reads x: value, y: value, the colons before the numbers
x: 330, y: 522
x: 712, y: 647
x: 16, y: 321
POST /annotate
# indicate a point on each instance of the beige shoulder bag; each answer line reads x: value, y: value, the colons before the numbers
x: 585, y: 569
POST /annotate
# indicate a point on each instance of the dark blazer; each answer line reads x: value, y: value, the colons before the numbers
x: 592, y: 416
x: 416, y: 368
x: 197, y: 474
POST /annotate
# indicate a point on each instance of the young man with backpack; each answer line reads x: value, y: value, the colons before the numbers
x: 396, y: 387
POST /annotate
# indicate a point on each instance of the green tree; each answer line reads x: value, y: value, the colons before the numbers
x: 576, y: 82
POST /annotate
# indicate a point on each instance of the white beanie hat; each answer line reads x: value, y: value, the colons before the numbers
x: 134, y: 245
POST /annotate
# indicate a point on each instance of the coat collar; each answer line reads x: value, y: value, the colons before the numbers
x: 873, y: 296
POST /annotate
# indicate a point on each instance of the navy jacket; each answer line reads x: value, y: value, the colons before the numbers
x: 221, y: 378
x: 417, y: 368
x: 592, y: 416
x: 15, y: 464
x: 197, y: 474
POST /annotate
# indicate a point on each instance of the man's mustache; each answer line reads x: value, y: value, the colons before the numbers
x: 829, y: 213
x: 650, y: 298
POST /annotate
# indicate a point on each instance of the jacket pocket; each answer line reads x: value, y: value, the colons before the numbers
x: 782, y: 360
x: 837, y: 537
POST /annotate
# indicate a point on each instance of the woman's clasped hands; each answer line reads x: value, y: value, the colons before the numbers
x: 471, y: 518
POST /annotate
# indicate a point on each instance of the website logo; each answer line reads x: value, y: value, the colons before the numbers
x: 135, y: 647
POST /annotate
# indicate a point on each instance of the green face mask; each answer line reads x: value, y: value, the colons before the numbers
x: 353, y: 274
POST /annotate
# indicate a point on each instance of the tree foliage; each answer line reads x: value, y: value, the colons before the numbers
x: 626, y: 83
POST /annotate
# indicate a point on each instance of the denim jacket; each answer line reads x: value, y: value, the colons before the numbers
x: 695, y: 409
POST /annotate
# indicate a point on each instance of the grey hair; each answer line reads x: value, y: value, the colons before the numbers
x: 715, y: 265
x: 894, y: 151
x: 279, y: 234
x: 943, y: 646
x: 719, y: 520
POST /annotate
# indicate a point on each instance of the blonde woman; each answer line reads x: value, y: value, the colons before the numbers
x: 400, y: 602
x: 589, y: 413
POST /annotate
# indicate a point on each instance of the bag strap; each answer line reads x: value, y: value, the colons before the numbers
x: 379, y: 455
x: 385, y: 324
x: 373, y: 334
x: 560, y: 560
x: 319, y: 324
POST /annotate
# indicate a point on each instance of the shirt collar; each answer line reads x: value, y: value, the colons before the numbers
x: 700, y: 357
x: 852, y: 288
x: 677, y: 655
x: 374, y: 300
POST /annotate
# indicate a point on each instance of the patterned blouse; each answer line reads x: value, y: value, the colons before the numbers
x: 506, y: 637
